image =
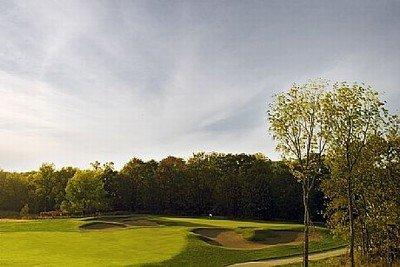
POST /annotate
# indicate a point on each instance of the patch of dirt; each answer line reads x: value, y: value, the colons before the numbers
x: 228, y: 238
x: 102, y: 225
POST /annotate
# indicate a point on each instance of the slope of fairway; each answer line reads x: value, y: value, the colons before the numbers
x: 134, y: 246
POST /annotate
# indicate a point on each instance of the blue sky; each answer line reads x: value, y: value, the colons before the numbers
x: 108, y: 80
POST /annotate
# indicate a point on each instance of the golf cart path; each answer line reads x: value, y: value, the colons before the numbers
x: 295, y: 259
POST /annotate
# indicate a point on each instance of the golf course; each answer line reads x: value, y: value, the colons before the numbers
x: 148, y: 240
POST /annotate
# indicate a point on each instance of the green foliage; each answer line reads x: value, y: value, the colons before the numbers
x: 172, y: 185
x: 362, y: 160
x: 139, y: 191
x: 297, y: 123
x: 24, y: 210
x: 60, y: 182
x: 41, y: 183
x: 111, y: 183
x: 85, y: 193
x: 361, y: 163
x: 46, y: 187
x: 235, y: 185
x: 13, y: 191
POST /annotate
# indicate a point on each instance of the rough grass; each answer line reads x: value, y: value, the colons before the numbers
x: 168, y: 241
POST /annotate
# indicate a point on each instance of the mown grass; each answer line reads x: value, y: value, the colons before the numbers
x: 58, y: 242
x: 199, y: 253
x: 132, y: 246
x: 42, y: 225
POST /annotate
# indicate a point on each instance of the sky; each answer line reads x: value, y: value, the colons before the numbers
x: 110, y: 80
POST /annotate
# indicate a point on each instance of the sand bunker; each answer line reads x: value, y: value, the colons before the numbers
x: 102, y: 225
x: 261, y: 239
x: 227, y: 238
x: 276, y: 237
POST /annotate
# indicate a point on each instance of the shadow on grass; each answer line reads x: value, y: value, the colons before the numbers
x: 199, y: 253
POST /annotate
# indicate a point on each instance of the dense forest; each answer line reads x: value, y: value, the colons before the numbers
x: 233, y: 185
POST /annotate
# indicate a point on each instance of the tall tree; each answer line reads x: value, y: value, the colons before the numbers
x: 202, y: 176
x: 296, y: 122
x: 42, y: 183
x: 60, y: 181
x: 286, y: 194
x: 140, y: 185
x: 170, y: 176
x: 112, y: 183
x: 85, y: 193
x: 13, y: 191
x: 355, y: 114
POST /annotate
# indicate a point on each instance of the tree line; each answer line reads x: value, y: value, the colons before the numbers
x: 341, y: 136
x: 232, y: 185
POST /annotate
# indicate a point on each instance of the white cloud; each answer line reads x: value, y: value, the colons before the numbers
x: 83, y: 81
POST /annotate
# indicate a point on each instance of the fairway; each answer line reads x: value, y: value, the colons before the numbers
x: 139, y: 240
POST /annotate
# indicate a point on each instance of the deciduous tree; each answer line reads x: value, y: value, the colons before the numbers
x: 354, y: 114
x: 85, y: 193
x: 297, y: 124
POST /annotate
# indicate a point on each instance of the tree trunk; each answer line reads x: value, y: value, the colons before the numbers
x: 306, y: 225
x: 351, y: 218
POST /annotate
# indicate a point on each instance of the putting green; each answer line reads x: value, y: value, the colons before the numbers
x: 33, y: 245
